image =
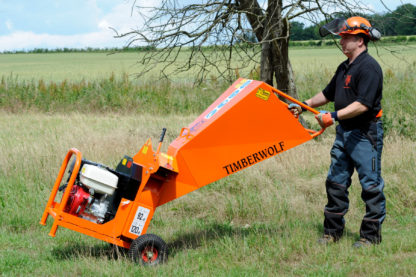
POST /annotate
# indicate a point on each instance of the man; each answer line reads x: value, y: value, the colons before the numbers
x: 356, y: 90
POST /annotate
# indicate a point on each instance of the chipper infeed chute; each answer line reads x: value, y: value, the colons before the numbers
x: 247, y: 124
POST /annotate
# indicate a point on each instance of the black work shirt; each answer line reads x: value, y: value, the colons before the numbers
x: 360, y: 81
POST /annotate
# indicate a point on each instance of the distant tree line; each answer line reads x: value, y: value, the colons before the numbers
x: 84, y: 50
x: 400, y: 22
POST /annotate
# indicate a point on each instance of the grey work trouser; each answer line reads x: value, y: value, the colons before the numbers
x: 360, y: 149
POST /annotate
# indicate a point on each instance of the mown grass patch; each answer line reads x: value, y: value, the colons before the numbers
x: 262, y: 221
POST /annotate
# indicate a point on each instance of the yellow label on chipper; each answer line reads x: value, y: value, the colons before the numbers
x: 263, y: 94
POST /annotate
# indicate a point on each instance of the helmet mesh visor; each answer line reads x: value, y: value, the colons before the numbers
x: 334, y: 27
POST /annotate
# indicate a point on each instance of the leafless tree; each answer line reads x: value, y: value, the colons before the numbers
x: 225, y: 37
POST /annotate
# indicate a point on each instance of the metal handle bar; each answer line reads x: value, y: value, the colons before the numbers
x: 306, y: 107
x: 162, y: 136
x: 60, y: 208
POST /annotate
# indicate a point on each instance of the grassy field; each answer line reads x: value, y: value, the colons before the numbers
x: 263, y: 221
x: 66, y: 66
x: 58, y: 67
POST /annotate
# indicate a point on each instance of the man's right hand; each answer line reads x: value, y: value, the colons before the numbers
x: 325, y: 119
x: 295, y: 109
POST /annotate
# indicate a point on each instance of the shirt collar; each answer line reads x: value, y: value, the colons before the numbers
x: 357, y: 59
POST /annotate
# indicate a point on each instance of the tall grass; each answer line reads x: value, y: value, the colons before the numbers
x: 115, y: 93
x: 263, y: 221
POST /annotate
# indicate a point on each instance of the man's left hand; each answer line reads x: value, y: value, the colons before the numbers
x: 324, y: 119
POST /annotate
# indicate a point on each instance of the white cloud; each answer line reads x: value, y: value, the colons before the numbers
x: 103, y: 24
x: 124, y: 19
x: 9, y: 24
x: 28, y: 40
x: 120, y: 18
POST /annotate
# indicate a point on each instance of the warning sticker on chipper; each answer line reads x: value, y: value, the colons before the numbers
x: 263, y: 94
x: 139, y: 220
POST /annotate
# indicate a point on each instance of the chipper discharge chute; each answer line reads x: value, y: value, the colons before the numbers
x: 247, y: 124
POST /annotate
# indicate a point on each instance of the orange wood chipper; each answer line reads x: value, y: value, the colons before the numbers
x: 247, y: 124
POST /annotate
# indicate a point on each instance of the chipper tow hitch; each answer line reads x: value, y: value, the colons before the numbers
x: 247, y: 124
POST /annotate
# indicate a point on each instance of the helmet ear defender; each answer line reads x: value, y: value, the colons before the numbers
x: 373, y: 32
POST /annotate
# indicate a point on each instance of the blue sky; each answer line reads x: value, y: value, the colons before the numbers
x: 28, y: 24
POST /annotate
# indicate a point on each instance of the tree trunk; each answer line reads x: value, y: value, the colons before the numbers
x: 282, y: 67
x: 267, y: 67
x: 273, y: 32
x: 275, y: 53
x: 254, y: 15
x: 266, y: 63
x: 275, y: 50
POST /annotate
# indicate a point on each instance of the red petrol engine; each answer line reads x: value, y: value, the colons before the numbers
x: 77, y: 201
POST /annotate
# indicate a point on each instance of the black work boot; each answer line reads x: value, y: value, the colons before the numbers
x: 326, y: 239
x: 362, y: 243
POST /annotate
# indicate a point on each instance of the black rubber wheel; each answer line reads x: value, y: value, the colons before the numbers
x: 148, y: 249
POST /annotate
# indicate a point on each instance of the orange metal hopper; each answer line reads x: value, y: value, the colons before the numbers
x: 247, y: 124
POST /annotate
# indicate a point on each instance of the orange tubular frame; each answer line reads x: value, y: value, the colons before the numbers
x: 57, y: 212
x: 235, y: 132
x: 312, y: 110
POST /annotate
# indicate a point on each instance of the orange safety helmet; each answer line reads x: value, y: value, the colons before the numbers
x: 354, y: 25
